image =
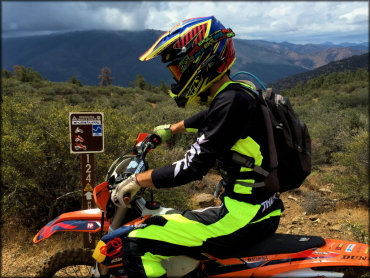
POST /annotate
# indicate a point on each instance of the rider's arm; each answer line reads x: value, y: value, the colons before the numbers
x: 193, y: 123
x: 145, y: 179
x: 218, y: 133
x: 178, y: 128
x: 190, y: 124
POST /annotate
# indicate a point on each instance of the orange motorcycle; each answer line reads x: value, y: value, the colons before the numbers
x: 279, y: 255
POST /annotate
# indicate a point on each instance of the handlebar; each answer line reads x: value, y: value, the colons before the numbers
x: 149, y: 143
x: 135, y: 163
x: 140, y: 150
x: 131, y: 162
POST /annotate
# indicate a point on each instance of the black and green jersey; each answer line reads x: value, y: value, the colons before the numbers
x: 233, y: 123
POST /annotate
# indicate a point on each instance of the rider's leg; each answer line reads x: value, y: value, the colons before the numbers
x: 148, y: 265
x: 194, y: 232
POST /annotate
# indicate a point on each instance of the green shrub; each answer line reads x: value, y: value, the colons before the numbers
x: 6, y: 73
x: 359, y: 231
x: 75, y: 99
x: 36, y: 165
x: 353, y: 181
x: 24, y: 74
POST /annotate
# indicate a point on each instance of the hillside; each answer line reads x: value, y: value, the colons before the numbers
x: 82, y: 54
x: 349, y: 64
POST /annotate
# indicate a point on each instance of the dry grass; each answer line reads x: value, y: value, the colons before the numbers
x: 20, y: 257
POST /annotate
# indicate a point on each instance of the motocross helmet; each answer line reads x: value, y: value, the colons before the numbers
x: 198, y: 52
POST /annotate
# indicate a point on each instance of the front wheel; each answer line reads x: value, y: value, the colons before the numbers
x: 69, y: 263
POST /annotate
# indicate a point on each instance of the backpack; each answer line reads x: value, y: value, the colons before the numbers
x: 292, y: 142
x: 288, y: 139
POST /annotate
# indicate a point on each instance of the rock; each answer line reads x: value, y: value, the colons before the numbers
x: 313, y: 217
x: 292, y: 198
x: 335, y: 228
x: 203, y: 200
x: 296, y: 220
x: 325, y: 190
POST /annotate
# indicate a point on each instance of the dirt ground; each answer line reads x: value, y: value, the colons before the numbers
x: 306, y: 213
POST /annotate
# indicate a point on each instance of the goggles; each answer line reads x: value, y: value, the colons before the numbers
x: 175, y: 70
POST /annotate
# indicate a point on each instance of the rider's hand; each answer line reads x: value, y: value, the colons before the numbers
x: 129, y: 185
x: 163, y: 131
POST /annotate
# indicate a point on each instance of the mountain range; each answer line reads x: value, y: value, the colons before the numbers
x: 349, y: 64
x: 84, y: 53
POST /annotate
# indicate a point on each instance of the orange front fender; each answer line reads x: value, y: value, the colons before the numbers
x: 88, y: 220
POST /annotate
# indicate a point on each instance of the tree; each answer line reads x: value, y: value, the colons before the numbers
x: 74, y: 80
x: 6, y: 73
x: 140, y: 82
x: 26, y: 74
x: 104, y: 77
x: 163, y: 87
x: 17, y: 70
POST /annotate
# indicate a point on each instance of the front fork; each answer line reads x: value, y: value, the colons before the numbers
x: 100, y: 270
x: 117, y: 221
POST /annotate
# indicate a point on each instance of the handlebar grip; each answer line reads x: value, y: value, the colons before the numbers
x: 154, y: 140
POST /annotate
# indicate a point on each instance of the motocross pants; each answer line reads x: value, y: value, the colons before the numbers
x: 226, y: 228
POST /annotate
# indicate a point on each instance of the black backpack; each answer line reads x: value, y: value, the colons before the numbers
x: 289, y: 141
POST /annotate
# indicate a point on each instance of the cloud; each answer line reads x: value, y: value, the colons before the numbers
x: 268, y: 20
x: 66, y: 16
x: 357, y: 16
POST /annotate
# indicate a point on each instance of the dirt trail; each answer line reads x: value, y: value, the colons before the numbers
x: 333, y: 219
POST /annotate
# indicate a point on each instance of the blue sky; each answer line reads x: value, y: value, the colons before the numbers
x: 297, y: 22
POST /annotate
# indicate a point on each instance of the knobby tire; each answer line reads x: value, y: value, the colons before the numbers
x: 69, y: 263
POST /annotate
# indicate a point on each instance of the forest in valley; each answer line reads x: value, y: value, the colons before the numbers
x: 41, y: 178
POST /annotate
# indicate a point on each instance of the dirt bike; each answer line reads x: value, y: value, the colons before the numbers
x: 279, y: 255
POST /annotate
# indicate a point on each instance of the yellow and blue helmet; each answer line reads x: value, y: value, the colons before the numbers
x: 199, y: 51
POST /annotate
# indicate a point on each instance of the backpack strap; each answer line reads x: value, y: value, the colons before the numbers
x: 271, y: 180
x: 268, y: 123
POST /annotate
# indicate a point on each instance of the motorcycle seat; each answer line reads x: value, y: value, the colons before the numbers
x: 274, y: 244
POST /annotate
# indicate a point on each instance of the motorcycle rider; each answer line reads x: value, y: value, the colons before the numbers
x: 199, y: 52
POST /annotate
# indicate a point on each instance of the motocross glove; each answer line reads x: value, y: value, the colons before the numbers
x: 128, y: 186
x: 163, y: 131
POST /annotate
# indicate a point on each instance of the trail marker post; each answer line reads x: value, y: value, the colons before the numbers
x: 86, y: 138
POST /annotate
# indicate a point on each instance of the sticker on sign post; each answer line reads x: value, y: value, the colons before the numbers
x: 86, y: 132
x: 97, y: 130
